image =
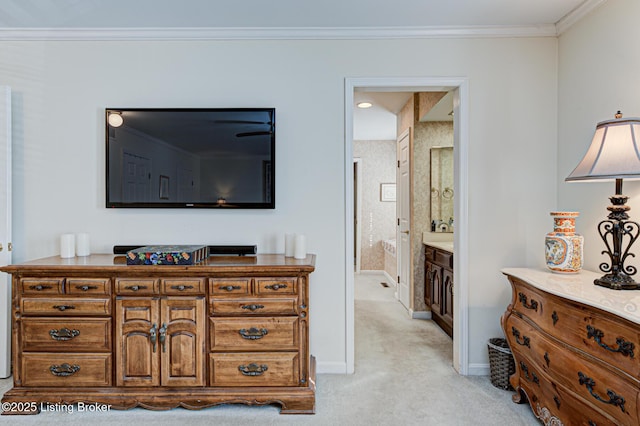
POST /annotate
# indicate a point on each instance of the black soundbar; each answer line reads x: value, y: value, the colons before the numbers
x: 213, y: 250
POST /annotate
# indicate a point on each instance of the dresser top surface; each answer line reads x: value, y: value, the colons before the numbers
x: 580, y: 288
x: 113, y: 263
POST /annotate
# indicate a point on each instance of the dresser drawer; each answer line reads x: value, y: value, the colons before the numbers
x: 268, y: 286
x: 550, y: 401
x: 254, y: 306
x: 179, y: 286
x: 232, y: 286
x: 66, y: 370
x: 65, y: 306
x: 42, y: 285
x: 603, y: 387
x: 130, y: 286
x: 88, y: 286
x: 614, y: 341
x: 439, y: 257
x: 66, y: 335
x: 254, y: 369
x: 253, y: 334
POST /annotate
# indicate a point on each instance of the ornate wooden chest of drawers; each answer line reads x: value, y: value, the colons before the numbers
x: 226, y: 330
x: 576, y: 347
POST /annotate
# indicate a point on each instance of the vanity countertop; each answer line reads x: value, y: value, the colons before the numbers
x: 441, y: 240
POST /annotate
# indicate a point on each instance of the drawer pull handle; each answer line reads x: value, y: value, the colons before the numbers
x: 163, y: 336
x: 181, y: 287
x: 87, y: 287
x: 275, y: 287
x: 525, y: 340
x: 624, y: 347
x: 64, y: 370
x: 252, y: 308
x: 40, y: 287
x: 557, y: 401
x: 614, y: 399
x: 546, y: 358
x: 230, y: 287
x: 533, y: 377
x: 554, y: 317
x: 523, y: 299
x: 63, y: 334
x: 135, y: 287
x: 253, y: 369
x: 153, y: 336
x: 63, y: 307
x: 253, y: 333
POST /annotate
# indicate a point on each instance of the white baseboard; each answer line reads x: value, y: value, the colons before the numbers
x: 479, y: 370
x: 390, y: 280
x: 331, y: 368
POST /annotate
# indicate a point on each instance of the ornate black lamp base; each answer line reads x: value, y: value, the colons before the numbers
x: 619, y: 281
x: 618, y: 233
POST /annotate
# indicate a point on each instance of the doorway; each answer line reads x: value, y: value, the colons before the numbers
x: 460, y: 86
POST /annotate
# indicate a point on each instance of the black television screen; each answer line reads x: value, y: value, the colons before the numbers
x: 190, y: 158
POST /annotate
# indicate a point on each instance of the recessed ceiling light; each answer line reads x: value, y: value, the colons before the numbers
x: 365, y: 104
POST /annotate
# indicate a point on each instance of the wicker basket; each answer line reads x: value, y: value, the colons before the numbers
x: 501, y: 363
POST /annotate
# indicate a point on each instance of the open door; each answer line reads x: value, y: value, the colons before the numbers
x: 403, y: 212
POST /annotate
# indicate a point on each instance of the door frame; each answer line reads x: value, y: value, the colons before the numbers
x: 357, y: 165
x: 461, y: 177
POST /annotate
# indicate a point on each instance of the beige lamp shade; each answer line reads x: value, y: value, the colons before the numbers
x: 614, y: 152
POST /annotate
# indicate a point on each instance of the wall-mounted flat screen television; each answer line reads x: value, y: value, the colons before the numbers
x: 190, y: 158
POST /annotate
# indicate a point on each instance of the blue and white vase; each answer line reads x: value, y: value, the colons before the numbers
x: 563, y: 247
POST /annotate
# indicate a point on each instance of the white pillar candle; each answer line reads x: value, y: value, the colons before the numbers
x: 289, y: 245
x: 67, y: 245
x: 301, y: 247
x: 83, y: 246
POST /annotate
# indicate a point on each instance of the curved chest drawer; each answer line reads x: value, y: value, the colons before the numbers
x: 584, y: 328
x: 601, y: 386
x: 66, y: 335
x: 254, y: 334
x: 65, y: 306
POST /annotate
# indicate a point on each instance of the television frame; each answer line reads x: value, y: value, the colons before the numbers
x: 269, y: 170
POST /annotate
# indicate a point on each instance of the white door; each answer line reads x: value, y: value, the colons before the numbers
x: 5, y: 230
x: 403, y: 211
x: 136, y: 178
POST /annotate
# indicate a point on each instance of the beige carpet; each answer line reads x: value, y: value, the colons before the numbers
x: 403, y: 377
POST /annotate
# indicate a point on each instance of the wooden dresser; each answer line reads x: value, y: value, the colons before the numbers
x: 227, y: 330
x: 438, y: 291
x: 576, y: 348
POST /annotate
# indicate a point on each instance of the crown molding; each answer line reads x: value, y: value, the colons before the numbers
x: 577, y: 14
x: 284, y: 33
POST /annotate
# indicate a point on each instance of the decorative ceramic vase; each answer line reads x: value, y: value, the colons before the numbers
x: 563, y: 247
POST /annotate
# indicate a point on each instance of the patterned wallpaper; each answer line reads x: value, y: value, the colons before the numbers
x: 378, y: 160
x: 425, y: 135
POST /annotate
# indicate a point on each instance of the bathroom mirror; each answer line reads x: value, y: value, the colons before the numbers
x: 442, y: 189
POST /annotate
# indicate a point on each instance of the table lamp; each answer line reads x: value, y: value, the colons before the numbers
x: 614, y: 153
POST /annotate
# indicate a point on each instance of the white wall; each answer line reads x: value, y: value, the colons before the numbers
x: 599, y: 63
x: 61, y: 88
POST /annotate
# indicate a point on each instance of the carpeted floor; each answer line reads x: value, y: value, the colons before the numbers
x: 403, y: 377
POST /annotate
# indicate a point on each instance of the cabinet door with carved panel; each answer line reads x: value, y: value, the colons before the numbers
x: 161, y: 341
x: 436, y: 289
x: 181, y: 341
x: 137, y: 328
x: 447, y: 296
